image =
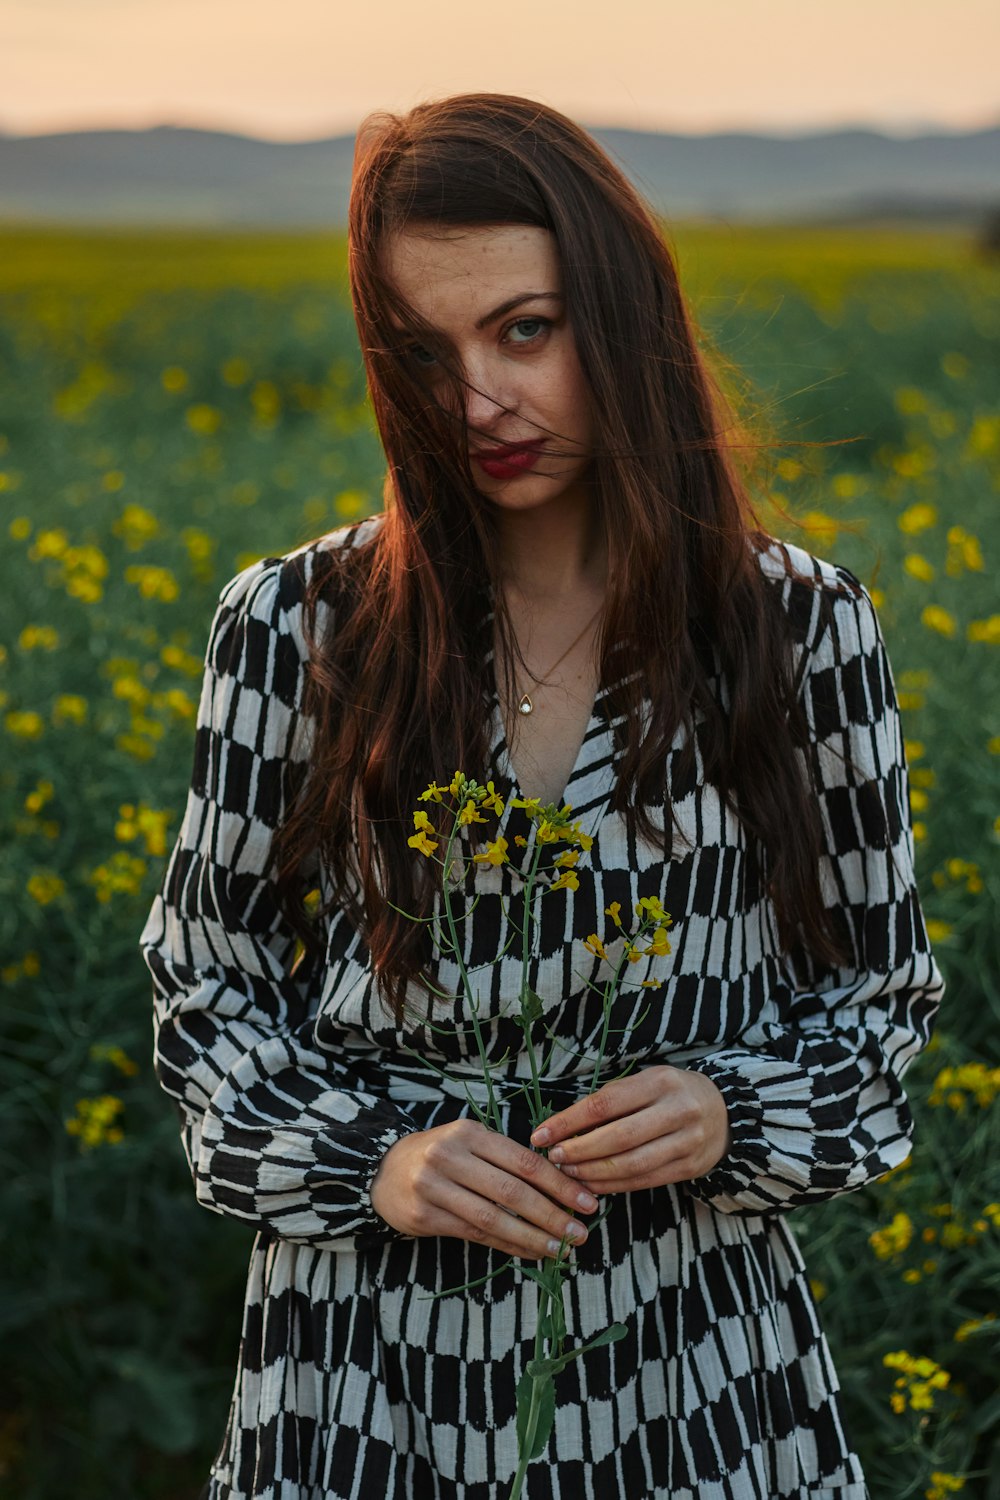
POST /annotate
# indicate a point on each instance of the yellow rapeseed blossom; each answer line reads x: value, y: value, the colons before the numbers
x: 993, y: 745
x: 936, y: 618
x: 492, y: 800
x: 917, y: 566
x: 567, y: 859
x: 917, y: 518
x: 19, y: 529
x: 822, y: 529
x: 943, y: 1485
x: 420, y: 840
x: 112, y: 481
x: 494, y: 853
x: 919, y: 1378
x: 937, y: 931
x: 569, y: 880
x: 84, y: 571
x: 36, y: 800
x: 964, y: 551
x: 115, y: 1055
x: 203, y: 419
x: 594, y: 945
x: 614, y: 912
x: 153, y: 582
x: 51, y: 543
x: 987, y: 631
x: 846, y: 486
x: 24, y: 724
x: 971, y: 1325
x: 45, y: 887
x: 469, y: 814
x: 952, y: 1084
x: 148, y: 823
x: 350, y: 504
x: 136, y: 526
x: 122, y: 874
x: 38, y: 638
x: 182, y: 661
x: 547, y: 832
x: 894, y: 1239
x: 96, y: 1121
x: 174, y: 379
x: 909, y: 400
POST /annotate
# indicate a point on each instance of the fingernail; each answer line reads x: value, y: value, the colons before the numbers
x: 541, y: 1137
x: 554, y: 1247
x: 557, y: 1154
x: 586, y: 1200
x: 575, y: 1231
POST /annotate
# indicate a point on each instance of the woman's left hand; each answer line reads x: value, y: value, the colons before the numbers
x: 659, y: 1125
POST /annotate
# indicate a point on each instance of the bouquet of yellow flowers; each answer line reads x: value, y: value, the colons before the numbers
x: 468, y: 802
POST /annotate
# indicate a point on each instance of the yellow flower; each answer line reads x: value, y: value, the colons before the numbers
x: 530, y: 804
x: 95, y: 1121
x: 36, y: 800
x: 458, y: 782
x: 938, y: 931
x: 567, y: 859
x: 421, y: 820
x: 121, y: 874
x: 917, y: 518
x: 44, y: 887
x: 153, y: 582
x: 136, y: 526
x: 659, y: 946
x: 174, y: 378
x: 71, y: 708
x: 421, y: 842
x: 433, y: 792
x: 918, y: 567
x: 547, y: 832
x: 34, y: 637
x: 522, y: 842
x: 594, y: 945
x: 936, y: 618
x: 569, y: 880
x: 52, y: 543
x: 614, y: 912
x: 203, y: 419
x: 632, y: 953
x: 493, y: 854
x: 575, y: 836
x: 20, y: 528
x: 117, y: 1056
x: 492, y: 800
x: 987, y: 630
x: 470, y: 815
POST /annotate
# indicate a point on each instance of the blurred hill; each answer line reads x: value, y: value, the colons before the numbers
x: 181, y: 176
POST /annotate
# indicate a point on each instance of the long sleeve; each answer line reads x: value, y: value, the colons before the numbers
x: 275, y: 1131
x: 816, y: 1102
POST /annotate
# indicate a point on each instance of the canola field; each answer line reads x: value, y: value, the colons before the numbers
x: 175, y: 406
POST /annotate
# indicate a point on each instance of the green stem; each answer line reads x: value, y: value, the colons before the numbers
x: 492, y: 1107
x: 532, y: 1422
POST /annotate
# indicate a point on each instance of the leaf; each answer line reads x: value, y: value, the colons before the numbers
x: 545, y: 1415
x: 538, y: 1369
x: 531, y: 1006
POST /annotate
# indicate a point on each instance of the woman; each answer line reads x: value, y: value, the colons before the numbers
x: 562, y: 501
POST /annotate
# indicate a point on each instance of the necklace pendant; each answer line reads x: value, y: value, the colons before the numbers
x: 525, y: 705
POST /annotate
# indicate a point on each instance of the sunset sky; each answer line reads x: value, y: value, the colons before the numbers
x: 308, y: 68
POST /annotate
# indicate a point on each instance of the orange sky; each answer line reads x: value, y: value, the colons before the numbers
x: 305, y: 68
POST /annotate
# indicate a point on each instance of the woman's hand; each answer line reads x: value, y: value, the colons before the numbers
x: 660, y: 1125
x: 463, y: 1180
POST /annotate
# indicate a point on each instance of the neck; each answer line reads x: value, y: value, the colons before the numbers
x: 553, y: 553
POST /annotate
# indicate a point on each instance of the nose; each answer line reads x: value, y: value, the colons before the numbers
x: 484, y: 404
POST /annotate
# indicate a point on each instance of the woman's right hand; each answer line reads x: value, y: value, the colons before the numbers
x: 466, y: 1181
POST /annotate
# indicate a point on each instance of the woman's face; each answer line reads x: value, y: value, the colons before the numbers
x: 524, y: 380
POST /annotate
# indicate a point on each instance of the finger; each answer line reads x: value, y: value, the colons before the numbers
x: 625, y: 1134
x: 517, y: 1197
x: 486, y: 1223
x: 607, y: 1103
x: 531, y: 1167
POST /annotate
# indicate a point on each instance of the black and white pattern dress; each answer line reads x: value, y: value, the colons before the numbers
x: 351, y: 1383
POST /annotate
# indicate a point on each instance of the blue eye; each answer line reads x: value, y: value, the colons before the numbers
x: 414, y: 351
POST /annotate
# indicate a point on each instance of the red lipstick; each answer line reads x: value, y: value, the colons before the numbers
x: 510, y: 460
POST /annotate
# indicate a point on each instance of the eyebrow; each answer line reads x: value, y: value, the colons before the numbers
x: 513, y: 302
x: 508, y: 306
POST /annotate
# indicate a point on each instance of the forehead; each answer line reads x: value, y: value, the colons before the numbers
x: 452, y: 276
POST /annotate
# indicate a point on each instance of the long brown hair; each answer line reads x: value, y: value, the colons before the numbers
x: 399, y: 682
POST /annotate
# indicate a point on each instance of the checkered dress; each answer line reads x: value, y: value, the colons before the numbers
x: 290, y: 1086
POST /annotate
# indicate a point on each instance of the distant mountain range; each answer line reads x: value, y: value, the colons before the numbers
x: 181, y: 176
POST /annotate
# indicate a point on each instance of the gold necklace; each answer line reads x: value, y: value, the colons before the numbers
x: 524, y: 703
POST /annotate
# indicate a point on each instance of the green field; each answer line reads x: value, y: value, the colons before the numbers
x: 175, y: 406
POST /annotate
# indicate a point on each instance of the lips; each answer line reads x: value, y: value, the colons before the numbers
x: 508, y: 451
